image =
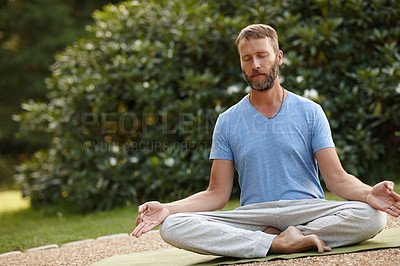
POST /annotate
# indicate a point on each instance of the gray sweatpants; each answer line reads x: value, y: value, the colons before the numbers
x: 239, y: 233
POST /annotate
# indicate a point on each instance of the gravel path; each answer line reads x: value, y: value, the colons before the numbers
x: 89, y: 252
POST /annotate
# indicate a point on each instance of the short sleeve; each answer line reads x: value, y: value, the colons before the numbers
x: 220, y: 148
x: 321, y: 136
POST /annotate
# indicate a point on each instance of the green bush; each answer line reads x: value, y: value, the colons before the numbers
x: 132, y: 106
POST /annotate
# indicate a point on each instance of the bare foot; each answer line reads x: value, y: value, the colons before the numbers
x: 272, y: 230
x: 292, y: 240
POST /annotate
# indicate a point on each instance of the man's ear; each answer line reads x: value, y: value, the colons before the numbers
x: 280, y: 57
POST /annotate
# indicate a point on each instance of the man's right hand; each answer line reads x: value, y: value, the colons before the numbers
x: 151, y: 215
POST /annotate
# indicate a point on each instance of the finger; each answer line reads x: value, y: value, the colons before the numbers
x: 393, y: 212
x: 395, y: 196
x: 395, y: 209
x: 137, y: 232
x: 148, y: 228
x: 138, y: 229
x: 142, y: 208
x: 139, y: 219
x: 144, y: 229
x: 389, y: 185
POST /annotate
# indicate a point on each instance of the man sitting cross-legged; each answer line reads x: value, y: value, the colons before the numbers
x: 277, y: 141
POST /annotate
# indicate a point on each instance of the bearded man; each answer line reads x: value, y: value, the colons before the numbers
x: 276, y: 141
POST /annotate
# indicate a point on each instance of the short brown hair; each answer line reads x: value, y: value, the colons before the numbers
x: 259, y: 31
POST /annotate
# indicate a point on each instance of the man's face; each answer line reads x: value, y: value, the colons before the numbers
x: 260, y: 64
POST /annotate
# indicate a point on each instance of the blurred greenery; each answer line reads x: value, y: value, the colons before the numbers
x: 131, y: 106
x: 31, y: 32
x: 7, y: 172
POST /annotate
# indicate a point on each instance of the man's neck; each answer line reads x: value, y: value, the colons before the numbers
x: 270, y: 97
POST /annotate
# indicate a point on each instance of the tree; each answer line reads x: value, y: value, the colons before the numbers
x: 31, y: 32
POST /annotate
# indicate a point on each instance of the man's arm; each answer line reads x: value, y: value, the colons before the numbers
x: 152, y: 214
x: 344, y: 185
x: 215, y: 197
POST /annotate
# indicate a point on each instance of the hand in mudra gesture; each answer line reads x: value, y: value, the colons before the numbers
x: 383, y: 198
x: 151, y: 215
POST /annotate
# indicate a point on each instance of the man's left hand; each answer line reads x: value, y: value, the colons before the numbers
x: 383, y: 198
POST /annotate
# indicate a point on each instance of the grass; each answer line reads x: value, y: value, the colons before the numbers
x: 22, y: 227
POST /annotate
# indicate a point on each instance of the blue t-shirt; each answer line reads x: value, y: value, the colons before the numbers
x: 274, y: 157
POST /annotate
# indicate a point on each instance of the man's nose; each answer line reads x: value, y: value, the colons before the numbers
x: 256, y: 64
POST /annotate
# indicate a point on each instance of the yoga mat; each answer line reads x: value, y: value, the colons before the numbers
x: 388, y: 238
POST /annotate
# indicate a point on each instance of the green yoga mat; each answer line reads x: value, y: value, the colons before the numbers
x: 388, y: 238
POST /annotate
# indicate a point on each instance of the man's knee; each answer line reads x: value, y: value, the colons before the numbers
x: 175, y: 226
x: 371, y: 221
x: 166, y: 228
x: 356, y: 222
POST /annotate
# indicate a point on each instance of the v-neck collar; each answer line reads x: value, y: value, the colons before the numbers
x: 258, y: 112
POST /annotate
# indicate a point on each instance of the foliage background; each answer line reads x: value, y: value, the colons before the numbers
x: 131, y: 106
x: 31, y: 32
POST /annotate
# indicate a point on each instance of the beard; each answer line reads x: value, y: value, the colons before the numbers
x: 265, y: 84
